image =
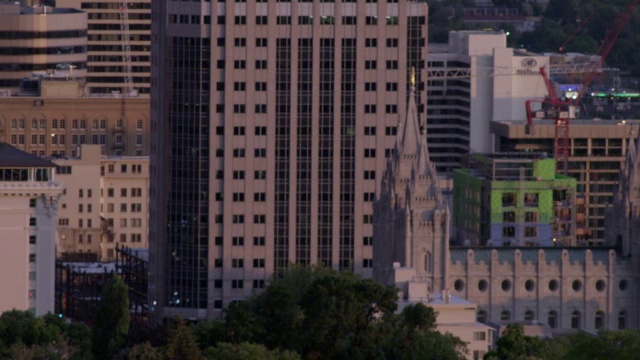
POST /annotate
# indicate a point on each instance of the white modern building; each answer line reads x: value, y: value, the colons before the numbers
x: 29, y: 196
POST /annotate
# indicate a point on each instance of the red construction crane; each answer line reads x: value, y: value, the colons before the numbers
x: 563, y: 110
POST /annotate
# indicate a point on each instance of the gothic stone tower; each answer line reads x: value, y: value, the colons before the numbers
x: 411, y: 218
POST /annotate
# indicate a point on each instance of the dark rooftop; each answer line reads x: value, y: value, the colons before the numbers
x: 10, y: 157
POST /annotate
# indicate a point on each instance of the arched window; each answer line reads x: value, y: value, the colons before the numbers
x: 505, y: 316
x: 599, y: 320
x: 552, y: 319
x: 622, y: 320
x: 529, y: 315
x: 481, y: 316
x: 427, y: 262
x: 575, y: 319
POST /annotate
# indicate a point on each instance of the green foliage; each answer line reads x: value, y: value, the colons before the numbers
x: 182, y: 343
x: 248, y: 351
x: 112, y: 319
x: 143, y: 351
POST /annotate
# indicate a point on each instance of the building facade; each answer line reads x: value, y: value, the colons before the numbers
x: 515, y: 199
x: 596, y: 154
x: 566, y: 288
x: 105, y: 203
x: 41, y: 39
x: 109, y: 65
x: 271, y: 121
x: 29, y: 196
x: 58, y: 123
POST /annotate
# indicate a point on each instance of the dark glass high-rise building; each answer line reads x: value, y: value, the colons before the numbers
x: 271, y: 124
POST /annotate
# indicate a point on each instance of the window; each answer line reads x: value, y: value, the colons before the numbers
x: 239, y: 64
x: 260, y: 174
x: 258, y: 284
x: 508, y: 231
x: 369, y: 175
x: 32, y: 258
x: 369, y: 153
x: 240, y: 42
x: 259, y: 219
x: 239, y: 108
x: 238, y: 219
x: 237, y: 263
x: 238, y: 197
x: 529, y: 285
x: 458, y: 285
x: 261, y: 20
x: 553, y: 285
x: 530, y: 231
x: 529, y: 315
x: 369, y: 196
x: 508, y: 199
x: 238, y: 130
x: 261, y: 86
x: 552, y: 319
x: 260, y: 197
x: 237, y: 241
x: 261, y: 108
x: 261, y: 42
x: 237, y: 284
x: 367, y: 240
x: 531, y: 216
x: 530, y: 199
x: 240, y: 20
x: 367, y: 263
x: 392, y: 86
x: 238, y: 153
x: 283, y: 20
x: 599, y: 320
x: 370, y: 64
x: 371, y: 42
x: 261, y: 64
x: 392, y: 43
x: 505, y: 315
x: 576, y: 285
x: 482, y: 285
x: 479, y: 336
x: 258, y: 241
x: 260, y: 153
x: 575, y: 319
x: 505, y: 285
x: 32, y: 239
x: 370, y: 86
x: 258, y: 263
x: 391, y: 109
x: 622, y: 320
x: 509, y: 216
x: 239, y: 86
x: 370, y: 108
x: 392, y: 64
x: 260, y: 130
x: 391, y: 130
x: 238, y: 174
x: 32, y: 221
x: 370, y: 130
x: 481, y: 316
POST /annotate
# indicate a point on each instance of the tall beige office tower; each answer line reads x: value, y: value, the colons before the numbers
x: 119, y: 35
x: 270, y: 125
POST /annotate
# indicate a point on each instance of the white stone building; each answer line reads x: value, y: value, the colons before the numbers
x: 566, y: 288
x: 29, y: 196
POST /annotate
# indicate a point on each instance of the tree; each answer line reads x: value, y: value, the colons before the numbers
x: 182, y: 344
x: 515, y: 345
x: 248, y: 351
x: 112, y: 319
x: 142, y: 351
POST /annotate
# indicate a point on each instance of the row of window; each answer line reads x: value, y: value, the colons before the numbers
x: 124, y: 192
x: 261, y: 240
x: 530, y: 285
x: 134, y: 207
x: 283, y: 20
x: 75, y: 124
x: 262, y: 64
x: 61, y: 139
x: 552, y: 318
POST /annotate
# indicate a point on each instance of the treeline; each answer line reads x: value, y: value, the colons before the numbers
x: 305, y: 313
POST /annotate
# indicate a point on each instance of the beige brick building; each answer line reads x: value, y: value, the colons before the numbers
x: 105, y: 203
x: 60, y: 120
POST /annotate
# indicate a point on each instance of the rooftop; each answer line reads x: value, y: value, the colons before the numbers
x: 10, y: 157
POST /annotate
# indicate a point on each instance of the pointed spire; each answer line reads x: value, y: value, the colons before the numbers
x: 410, y: 136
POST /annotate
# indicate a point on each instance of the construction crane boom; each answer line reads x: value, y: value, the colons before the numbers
x: 554, y: 69
x: 126, y: 47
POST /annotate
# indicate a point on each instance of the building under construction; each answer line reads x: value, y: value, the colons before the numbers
x: 516, y: 199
